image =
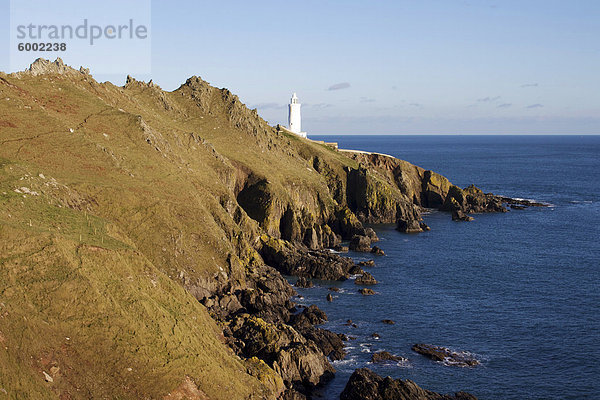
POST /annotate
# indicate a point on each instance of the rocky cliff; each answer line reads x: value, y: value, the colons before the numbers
x: 144, y: 234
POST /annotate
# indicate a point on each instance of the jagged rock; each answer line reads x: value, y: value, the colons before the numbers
x: 291, y: 260
x: 424, y: 227
x: 369, y: 263
x: 377, y: 251
x: 382, y: 356
x: 267, y: 295
x: 356, y: 270
x: 42, y: 66
x: 360, y: 243
x: 304, y: 282
x: 408, y: 226
x: 370, y: 233
x: 292, y: 394
x: 459, y: 215
x: 375, y: 335
x: 296, y: 358
x: 366, y: 292
x: 330, y: 343
x: 308, y: 317
x: 364, y: 384
x: 471, y: 200
x: 334, y: 289
x: 341, y: 249
x: 438, y: 353
x: 388, y: 321
x: 365, y: 279
x: 303, y: 364
x: 329, y: 297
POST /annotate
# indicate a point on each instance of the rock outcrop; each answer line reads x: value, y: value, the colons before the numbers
x: 383, y: 356
x: 365, y: 279
x: 364, y: 384
x: 445, y: 355
x: 292, y: 260
x: 459, y: 215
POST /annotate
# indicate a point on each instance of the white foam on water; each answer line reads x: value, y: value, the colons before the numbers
x: 347, y: 365
x: 365, y: 347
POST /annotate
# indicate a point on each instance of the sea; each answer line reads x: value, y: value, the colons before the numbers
x: 520, y: 291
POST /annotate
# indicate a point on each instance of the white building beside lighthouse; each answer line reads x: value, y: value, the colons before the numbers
x: 294, y: 118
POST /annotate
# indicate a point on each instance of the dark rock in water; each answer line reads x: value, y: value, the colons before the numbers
x: 344, y: 337
x: 524, y: 203
x: 356, y: 270
x: 369, y: 263
x: 329, y: 297
x: 364, y: 384
x: 303, y: 282
x: 370, y: 233
x: 408, y: 226
x: 350, y: 323
x: 377, y: 251
x: 366, y: 292
x: 375, y: 335
x: 388, y: 321
x: 459, y: 215
x: 365, y: 279
x: 424, y: 227
x: 438, y: 353
x: 341, y: 249
x: 360, y: 243
x: 352, y: 338
x: 382, y: 356
x: 334, y: 289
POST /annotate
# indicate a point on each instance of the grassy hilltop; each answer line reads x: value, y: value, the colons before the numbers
x: 121, y: 207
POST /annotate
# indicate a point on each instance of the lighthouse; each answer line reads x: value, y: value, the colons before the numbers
x: 294, y: 118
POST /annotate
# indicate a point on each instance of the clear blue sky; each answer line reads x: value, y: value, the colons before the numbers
x: 398, y: 67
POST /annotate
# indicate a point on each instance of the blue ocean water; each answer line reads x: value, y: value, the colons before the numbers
x: 521, y: 290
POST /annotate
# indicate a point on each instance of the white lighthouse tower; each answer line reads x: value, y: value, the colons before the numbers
x: 294, y: 118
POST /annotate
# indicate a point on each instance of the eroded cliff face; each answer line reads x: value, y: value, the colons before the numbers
x: 187, y: 190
